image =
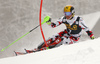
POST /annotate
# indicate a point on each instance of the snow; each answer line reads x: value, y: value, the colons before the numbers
x: 91, y: 19
x: 86, y: 52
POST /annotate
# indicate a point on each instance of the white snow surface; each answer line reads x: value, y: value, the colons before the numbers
x: 91, y: 19
x: 86, y: 52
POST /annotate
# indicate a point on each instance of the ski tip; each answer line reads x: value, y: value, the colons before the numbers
x: 15, y: 53
x: 25, y: 50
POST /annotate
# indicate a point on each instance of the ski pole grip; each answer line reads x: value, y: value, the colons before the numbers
x: 46, y: 19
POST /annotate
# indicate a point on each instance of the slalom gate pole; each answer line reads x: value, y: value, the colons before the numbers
x: 41, y: 25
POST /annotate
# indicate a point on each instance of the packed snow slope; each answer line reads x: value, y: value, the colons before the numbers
x: 86, y: 52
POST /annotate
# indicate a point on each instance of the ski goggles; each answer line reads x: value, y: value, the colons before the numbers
x: 68, y: 13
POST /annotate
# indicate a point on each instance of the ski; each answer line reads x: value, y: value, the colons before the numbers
x: 35, y: 50
x: 19, y: 53
x: 51, y: 45
x: 29, y: 51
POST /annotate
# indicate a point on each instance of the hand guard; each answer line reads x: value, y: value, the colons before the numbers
x: 47, y: 20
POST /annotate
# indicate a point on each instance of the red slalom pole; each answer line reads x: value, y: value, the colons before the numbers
x: 41, y: 25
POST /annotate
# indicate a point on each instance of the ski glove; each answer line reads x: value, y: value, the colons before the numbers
x: 92, y: 37
x: 47, y: 19
x: 90, y: 34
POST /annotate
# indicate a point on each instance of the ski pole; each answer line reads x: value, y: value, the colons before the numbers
x: 34, y: 28
x: 19, y: 38
x: 45, y: 19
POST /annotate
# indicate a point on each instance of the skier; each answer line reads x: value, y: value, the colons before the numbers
x: 74, y: 25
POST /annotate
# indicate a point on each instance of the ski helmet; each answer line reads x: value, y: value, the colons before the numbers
x: 69, y: 8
